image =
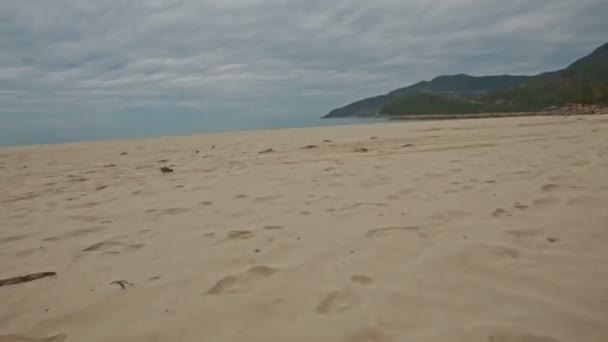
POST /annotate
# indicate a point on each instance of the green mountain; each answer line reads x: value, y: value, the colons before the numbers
x: 460, y: 85
x: 584, y: 81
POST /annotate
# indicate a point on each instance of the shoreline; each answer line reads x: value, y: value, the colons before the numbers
x: 320, y: 124
x: 380, y: 120
x: 567, y: 110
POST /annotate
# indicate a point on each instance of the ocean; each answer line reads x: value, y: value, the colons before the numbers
x: 61, y: 130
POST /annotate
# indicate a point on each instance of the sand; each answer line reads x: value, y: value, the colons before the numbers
x: 471, y: 230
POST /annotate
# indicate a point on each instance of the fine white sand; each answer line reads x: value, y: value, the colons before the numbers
x: 461, y: 231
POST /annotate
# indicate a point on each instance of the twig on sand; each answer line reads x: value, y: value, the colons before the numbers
x: 26, y: 278
x: 266, y: 151
x: 122, y: 283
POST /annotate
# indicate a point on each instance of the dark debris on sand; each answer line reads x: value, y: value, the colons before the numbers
x: 499, y: 212
x: 122, y: 283
x: 309, y: 147
x: 166, y: 169
x: 266, y: 151
x: 361, y: 150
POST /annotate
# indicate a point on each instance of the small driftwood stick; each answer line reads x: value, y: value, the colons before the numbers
x: 26, y: 278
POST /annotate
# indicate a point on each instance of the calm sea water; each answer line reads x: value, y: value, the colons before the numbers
x: 60, y: 130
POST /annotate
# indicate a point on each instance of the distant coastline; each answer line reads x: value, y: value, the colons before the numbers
x: 561, y: 111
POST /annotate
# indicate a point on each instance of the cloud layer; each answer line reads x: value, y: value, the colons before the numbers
x: 99, y: 61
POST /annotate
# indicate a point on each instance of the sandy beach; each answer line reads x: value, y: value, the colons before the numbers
x: 462, y: 231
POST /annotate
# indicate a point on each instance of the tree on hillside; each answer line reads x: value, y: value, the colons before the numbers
x: 604, y: 94
x: 586, y: 94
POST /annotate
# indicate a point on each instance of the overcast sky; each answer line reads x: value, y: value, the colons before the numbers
x: 71, y: 62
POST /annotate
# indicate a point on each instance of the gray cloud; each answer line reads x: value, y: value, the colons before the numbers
x: 97, y: 61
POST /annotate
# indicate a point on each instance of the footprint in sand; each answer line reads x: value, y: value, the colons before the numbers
x: 51, y: 238
x: 12, y: 238
x: 369, y: 335
x: 458, y: 190
x: 524, y: 233
x: 266, y: 198
x: 113, y: 247
x: 240, y: 235
x: 501, y: 336
x: 500, y: 213
x: 337, y: 302
x: 549, y: 187
x: 579, y: 163
x: 364, y: 204
x: 27, y: 252
x: 520, y: 206
x: 23, y: 338
x: 173, y: 211
x: 273, y: 227
x: 362, y: 279
x: 379, y: 232
x: 432, y: 175
x: 242, y: 282
x: 84, y: 205
x: 485, y: 252
x: 545, y: 202
x: 76, y: 179
x: 83, y: 232
x: 423, y: 235
x: 584, y: 201
x: 450, y: 216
